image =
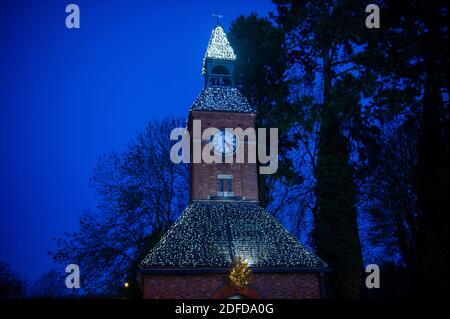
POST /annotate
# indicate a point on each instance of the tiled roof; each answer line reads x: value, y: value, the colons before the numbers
x: 222, y: 98
x: 214, y: 234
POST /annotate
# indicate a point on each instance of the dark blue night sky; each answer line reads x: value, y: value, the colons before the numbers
x: 67, y: 96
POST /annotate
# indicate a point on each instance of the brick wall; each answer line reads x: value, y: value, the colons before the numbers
x: 204, y: 286
x: 204, y: 181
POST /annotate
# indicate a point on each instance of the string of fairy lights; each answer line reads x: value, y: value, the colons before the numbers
x: 221, y: 234
x: 222, y: 99
x: 240, y: 273
x: 216, y: 234
x: 219, y: 47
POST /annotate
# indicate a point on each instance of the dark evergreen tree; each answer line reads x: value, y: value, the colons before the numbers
x: 411, y: 58
x: 336, y: 230
x: 392, y: 202
x: 322, y: 38
x: 260, y: 72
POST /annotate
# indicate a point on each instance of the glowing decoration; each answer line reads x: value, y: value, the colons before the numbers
x: 240, y: 273
x: 213, y: 233
x: 210, y: 234
x: 218, y: 47
x: 126, y: 285
x: 222, y: 99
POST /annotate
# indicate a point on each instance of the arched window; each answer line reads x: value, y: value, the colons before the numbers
x: 220, y: 69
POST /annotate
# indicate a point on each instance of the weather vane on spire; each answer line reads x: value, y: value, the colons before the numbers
x: 218, y: 16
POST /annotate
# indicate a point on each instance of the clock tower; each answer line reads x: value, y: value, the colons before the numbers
x: 220, y: 105
x: 224, y: 225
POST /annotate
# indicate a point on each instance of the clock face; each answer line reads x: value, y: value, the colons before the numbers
x: 224, y: 142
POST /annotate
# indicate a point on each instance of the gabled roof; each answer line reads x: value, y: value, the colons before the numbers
x: 223, y: 98
x: 212, y: 234
x: 218, y: 46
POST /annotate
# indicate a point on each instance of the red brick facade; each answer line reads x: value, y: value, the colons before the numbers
x: 224, y: 218
x: 204, y: 181
x: 206, y: 286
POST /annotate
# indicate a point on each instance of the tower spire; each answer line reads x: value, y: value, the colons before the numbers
x: 218, y: 63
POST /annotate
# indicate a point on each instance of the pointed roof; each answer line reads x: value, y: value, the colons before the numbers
x: 213, y: 234
x: 218, y: 46
x: 225, y: 99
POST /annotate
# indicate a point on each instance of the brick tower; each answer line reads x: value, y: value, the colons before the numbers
x: 224, y: 221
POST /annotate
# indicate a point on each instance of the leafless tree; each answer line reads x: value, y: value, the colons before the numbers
x: 141, y: 193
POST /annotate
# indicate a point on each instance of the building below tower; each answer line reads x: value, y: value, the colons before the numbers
x: 224, y: 230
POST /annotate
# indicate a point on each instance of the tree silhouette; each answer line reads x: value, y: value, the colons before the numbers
x: 141, y: 193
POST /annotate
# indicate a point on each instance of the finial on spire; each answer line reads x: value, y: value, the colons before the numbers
x: 218, y: 16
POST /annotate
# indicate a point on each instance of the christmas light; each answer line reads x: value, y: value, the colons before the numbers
x: 240, y: 273
x: 234, y: 234
x: 222, y: 99
x: 214, y: 234
x: 218, y: 46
